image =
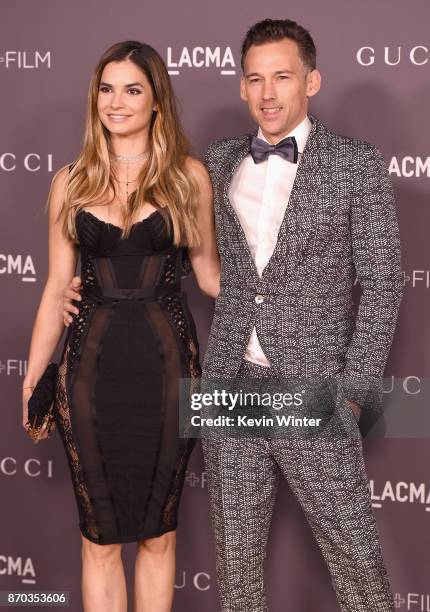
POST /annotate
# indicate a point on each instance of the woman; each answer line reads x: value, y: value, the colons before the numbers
x: 130, y: 205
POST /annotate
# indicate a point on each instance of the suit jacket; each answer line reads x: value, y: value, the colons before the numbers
x: 340, y: 224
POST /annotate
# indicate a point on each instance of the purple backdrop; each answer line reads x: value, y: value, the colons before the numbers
x: 375, y: 62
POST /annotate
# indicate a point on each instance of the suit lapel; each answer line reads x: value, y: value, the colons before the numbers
x: 297, y: 223
x: 235, y: 158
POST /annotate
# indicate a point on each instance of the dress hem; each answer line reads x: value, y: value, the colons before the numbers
x: 125, y: 539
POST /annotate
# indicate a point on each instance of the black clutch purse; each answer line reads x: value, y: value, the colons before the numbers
x: 41, y: 403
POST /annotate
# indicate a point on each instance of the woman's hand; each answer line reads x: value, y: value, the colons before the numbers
x: 26, y: 394
x: 71, y: 292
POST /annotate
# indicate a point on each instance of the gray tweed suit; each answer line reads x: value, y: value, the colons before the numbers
x: 340, y: 224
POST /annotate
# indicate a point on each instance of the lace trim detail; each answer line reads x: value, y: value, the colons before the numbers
x: 169, y: 274
x: 174, y: 307
x: 88, y: 271
x: 169, y: 512
x: 80, y: 327
x: 186, y: 264
x: 62, y: 417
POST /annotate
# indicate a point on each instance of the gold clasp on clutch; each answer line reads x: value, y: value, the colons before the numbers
x: 34, y: 432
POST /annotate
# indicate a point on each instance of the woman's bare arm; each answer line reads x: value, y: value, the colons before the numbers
x: 63, y: 255
x: 205, y: 258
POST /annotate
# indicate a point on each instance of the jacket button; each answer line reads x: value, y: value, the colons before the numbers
x: 259, y: 299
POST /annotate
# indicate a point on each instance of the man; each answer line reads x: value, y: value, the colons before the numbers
x: 300, y: 212
x: 295, y: 225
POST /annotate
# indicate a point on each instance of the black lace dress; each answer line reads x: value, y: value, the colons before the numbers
x: 117, y: 392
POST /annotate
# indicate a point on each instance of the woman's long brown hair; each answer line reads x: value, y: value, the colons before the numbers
x: 164, y: 181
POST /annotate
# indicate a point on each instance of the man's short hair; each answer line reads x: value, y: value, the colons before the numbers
x: 273, y: 30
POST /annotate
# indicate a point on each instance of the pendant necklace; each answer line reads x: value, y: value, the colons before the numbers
x: 129, y: 159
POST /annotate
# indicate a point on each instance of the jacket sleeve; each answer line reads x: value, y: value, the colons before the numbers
x: 377, y: 258
x: 208, y: 158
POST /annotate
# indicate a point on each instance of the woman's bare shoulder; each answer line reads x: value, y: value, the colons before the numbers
x: 61, y: 177
x: 198, y: 171
x: 58, y: 187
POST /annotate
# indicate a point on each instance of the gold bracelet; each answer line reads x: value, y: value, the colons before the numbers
x: 27, y: 388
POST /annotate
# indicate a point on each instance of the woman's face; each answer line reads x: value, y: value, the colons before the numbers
x: 125, y: 100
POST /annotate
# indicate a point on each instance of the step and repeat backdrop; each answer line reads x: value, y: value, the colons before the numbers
x: 375, y: 62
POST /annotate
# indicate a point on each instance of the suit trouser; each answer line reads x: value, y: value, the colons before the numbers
x: 328, y: 478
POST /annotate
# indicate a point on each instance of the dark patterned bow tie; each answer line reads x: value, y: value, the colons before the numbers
x: 286, y: 148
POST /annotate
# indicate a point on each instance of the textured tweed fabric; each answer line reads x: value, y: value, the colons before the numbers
x: 328, y: 478
x: 340, y: 224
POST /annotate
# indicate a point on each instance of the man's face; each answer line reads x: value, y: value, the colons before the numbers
x: 276, y: 85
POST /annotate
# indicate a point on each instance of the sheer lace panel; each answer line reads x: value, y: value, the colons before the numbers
x: 105, y: 272
x: 80, y: 326
x: 63, y: 422
x: 84, y: 415
x: 186, y: 446
x: 167, y: 450
x: 175, y: 309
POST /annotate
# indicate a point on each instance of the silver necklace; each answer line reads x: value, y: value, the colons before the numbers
x: 130, y: 158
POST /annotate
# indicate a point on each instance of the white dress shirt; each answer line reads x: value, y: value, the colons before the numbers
x: 259, y: 194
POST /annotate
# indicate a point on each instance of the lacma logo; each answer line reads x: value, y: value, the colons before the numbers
x: 18, y: 264
x: 18, y: 566
x: 201, y: 57
x: 402, y: 492
x: 409, y: 166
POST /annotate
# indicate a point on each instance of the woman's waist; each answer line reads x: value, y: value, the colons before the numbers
x: 132, y: 293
